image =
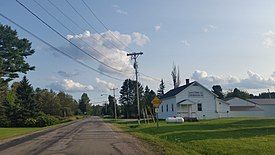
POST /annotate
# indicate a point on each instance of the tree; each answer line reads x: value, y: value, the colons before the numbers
x: 217, y: 89
x: 175, y: 76
x: 238, y: 93
x: 25, y: 96
x: 128, y: 98
x: 148, y: 97
x: 13, y: 52
x: 161, y: 88
x: 48, y: 102
x: 83, y: 102
x: 111, y: 108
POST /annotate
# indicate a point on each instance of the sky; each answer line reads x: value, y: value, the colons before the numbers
x: 229, y: 42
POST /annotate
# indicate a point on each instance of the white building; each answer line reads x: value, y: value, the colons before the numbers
x: 251, y: 107
x: 193, y: 101
x: 244, y: 108
x: 268, y: 106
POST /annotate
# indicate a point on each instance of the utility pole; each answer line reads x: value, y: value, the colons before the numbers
x: 269, y: 94
x: 114, y: 93
x: 134, y: 56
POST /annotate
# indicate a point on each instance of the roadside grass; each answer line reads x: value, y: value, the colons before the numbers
x: 13, y: 132
x: 217, y: 136
x: 6, y: 133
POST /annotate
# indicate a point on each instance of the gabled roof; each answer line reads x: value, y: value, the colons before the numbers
x: 174, y: 92
x: 263, y: 101
x: 247, y: 100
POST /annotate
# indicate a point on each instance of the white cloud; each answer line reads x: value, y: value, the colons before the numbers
x: 115, y: 56
x: 70, y: 86
x: 140, y: 39
x: 119, y: 10
x: 185, y: 43
x: 208, y: 28
x: 157, y: 28
x: 253, y: 81
x: 269, y: 40
x: 104, y: 84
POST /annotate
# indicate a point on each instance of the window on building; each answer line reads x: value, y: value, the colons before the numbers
x: 162, y: 108
x: 172, y: 108
x: 199, y: 107
x: 167, y: 107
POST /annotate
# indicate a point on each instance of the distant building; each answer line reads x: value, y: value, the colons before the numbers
x: 251, y: 107
x: 244, y: 108
x: 192, y: 100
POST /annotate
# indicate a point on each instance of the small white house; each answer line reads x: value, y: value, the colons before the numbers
x: 192, y: 100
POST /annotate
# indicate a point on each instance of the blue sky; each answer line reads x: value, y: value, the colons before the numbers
x: 231, y: 43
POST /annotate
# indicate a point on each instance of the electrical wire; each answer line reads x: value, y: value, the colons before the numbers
x: 60, y: 51
x: 41, y: 20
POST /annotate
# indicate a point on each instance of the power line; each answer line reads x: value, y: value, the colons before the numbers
x: 91, y: 25
x: 57, y: 20
x: 62, y: 52
x: 66, y: 38
x: 104, y: 25
x: 66, y: 16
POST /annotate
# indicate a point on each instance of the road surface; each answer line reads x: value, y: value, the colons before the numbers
x: 89, y: 136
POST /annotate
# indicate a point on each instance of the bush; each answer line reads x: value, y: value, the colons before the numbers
x: 30, y: 122
x: 46, y: 120
x: 4, y: 122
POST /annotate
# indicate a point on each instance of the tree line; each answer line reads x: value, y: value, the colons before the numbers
x: 20, y: 104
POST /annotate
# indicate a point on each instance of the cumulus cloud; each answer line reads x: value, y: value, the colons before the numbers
x: 185, y: 43
x: 68, y: 85
x: 157, y: 28
x: 109, y: 49
x: 208, y: 28
x: 269, y: 39
x: 104, y: 84
x: 252, y: 81
x: 140, y: 39
x: 66, y: 74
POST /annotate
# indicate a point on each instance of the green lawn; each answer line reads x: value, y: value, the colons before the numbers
x: 219, y: 136
x: 6, y: 133
x: 13, y: 132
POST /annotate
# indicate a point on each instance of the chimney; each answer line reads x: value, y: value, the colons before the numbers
x: 187, y: 81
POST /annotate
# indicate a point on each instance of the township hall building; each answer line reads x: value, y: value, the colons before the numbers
x: 193, y: 100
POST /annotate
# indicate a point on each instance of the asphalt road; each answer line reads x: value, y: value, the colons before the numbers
x: 89, y: 136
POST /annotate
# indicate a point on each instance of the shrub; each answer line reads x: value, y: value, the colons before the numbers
x: 4, y: 122
x: 30, y: 122
x: 46, y: 120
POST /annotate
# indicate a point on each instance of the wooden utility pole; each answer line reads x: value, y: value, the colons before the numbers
x: 134, y: 56
x: 114, y: 94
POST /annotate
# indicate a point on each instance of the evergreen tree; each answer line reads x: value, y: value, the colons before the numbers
x: 13, y: 52
x: 161, y: 88
x: 149, y: 96
x: 83, y: 103
x: 128, y: 97
x: 25, y: 97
